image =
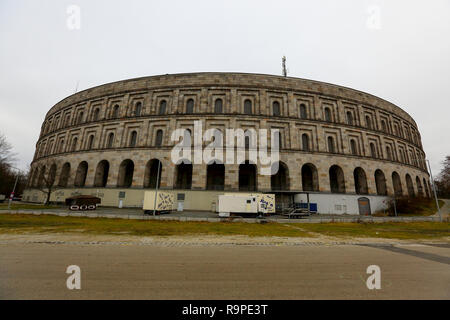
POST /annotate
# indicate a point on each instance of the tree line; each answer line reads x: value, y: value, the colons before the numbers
x: 8, y: 174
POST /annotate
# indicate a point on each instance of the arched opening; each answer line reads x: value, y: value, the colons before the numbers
x: 397, y: 184
x: 64, y: 176
x: 101, y: 174
x: 51, y: 175
x: 215, y: 176
x: 247, y: 176
x: 151, y: 174
x: 330, y: 142
x: 380, y: 182
x: 409, y: 186
x: 90, y: 142
x: 373, y: 150
x: 138, y: 109
x: 126, y: 171
x: 303, y: 113
x: 280, y: 180
x: 218, y: 106
x: 74, y: 144
x: 426, y: 188
x: 419, y: 187
x: 162, y: 107
x: 110, y: 142
x: 388, y: 153
x: 115, y: 114
x: 96, y: 114
x: 310, y: 178
x: 327, y: 114
x: 248, y: 107
x: 80, y: 117
x: 353, y: 147
x: 276, y: 108
x: 368, y: 122
x: 80, y: 176
x: 337, y: 179
x: 190, y: 106
x: 159, y: 138
x: 133, y: 139
x: 349, y: 118
x: 305, y: 142
x: 360, y: 181
x: 184, y: 176
x: 41, y: 179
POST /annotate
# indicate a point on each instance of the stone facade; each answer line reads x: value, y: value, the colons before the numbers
x: 123, y: 120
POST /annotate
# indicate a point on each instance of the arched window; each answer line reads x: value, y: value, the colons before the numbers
x: 184, y: 176
x: 159, y: 138
x: 360, y: 181
x: 133, y: 139
x: 276, y: 108
x: 162, y: 107
x: 278, y: 139
x: 126, y: 171
x: 90, y: 142
x: 337, y: 180
x: 110, y: 140
x: 373, y: 150
x: 397, y: 184
x: 96, y: 114
x: 101, y: 174
x: 115, y: 114
x: 80, y: 117
x: 327, y: 114
x: 388, y: 153
x: 353, y: 147
x: 138, y: 109
x: 67, y: 122
x: 310, y: 177
x: 248, y: 107
x: 349, y: 118
x: 305, y: 142
x: 383, y: 126
x: 330, y: 141
x: 74, y: 144
x: 380, y: 182
x: 80, y: 176
x: 368, y: 122
x: 64, y: 176
x: 190, y: 106
x: 61, y: 146
x: 303, y: 113
x: 218, y: 106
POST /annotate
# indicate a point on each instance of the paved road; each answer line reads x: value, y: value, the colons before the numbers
x: 113, y: 271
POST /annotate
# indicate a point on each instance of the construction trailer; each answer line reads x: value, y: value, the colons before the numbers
x: 245, y: 203
x: 158, y: 202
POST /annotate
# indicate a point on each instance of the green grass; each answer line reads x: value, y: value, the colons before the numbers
x: 389, y: 230
x: 54, y: 224
x: 26, y: 206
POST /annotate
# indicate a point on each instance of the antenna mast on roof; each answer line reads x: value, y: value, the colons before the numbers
x: 76, y: 88
x: 283, y: 60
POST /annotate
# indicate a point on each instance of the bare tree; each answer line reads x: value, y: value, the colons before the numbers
x: 443, y: 180
x: 7, y: 157
x: 46, y: 179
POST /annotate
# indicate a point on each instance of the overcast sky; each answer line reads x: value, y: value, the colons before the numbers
x: 397, y: 50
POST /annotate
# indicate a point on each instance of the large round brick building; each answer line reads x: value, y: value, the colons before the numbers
x: 336, y: 143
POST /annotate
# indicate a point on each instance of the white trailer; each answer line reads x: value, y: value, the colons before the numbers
x: 245, y: 203
x: 165, y: 202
